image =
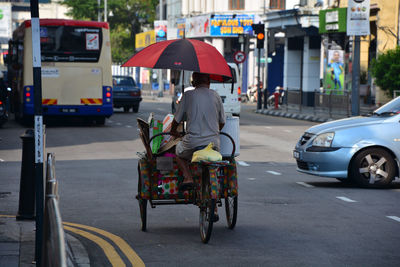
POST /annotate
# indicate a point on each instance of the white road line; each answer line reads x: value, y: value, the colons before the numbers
x: 1, y: 160
x: 251, y: 179
x: 274, y: 173
x: 119, y: 124
x: 243, y: 163
x: 346, y: 199
x: 128, y: 126
x: 397, y: 219
x: 305, y: 184
x: 288, y: 131
x: 267, y: 127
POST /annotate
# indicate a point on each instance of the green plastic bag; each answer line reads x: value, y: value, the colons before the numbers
x: 156, y: 127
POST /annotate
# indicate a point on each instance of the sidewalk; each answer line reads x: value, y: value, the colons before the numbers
x: 17, y: 238
x: 311, y: 114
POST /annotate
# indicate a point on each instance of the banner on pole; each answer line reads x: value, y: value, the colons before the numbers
x: 358, y: 17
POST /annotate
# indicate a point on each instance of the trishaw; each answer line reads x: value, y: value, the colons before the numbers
x: 159, y: 176
x: 159, y: 179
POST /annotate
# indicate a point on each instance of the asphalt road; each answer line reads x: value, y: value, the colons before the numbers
x: 285, y: 218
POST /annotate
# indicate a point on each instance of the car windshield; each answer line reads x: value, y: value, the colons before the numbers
x: 123, y: 81
x: 389, y: 109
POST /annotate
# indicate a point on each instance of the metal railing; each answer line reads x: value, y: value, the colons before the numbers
x: 53, y: 249
x: 332, y: 102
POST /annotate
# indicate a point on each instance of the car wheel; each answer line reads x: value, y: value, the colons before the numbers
x: 373, y: 167
x: 135, y: 108
x: 126, y: 109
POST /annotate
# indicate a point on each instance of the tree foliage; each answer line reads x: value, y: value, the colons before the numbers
x: 386, y: 70
x: 126, y: 19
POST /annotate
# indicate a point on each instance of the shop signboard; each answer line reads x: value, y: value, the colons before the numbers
x: 197, y: 26
x: 332, y: 20
x: 358, y: 17
x: 5, y: 22
x: 144, y: 39
x: 181, y: 25
x: 160, y: 29
x: 231, y: 25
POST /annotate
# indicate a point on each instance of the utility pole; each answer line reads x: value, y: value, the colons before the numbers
x: 160, y: 72
x: 105, y: 10
x: 355, y: 82
x: 38, y: 124
x: 98, y: 10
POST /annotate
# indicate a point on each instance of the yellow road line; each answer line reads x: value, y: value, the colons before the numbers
x: 108, y: 249
x: 7, y: 216
x: 134, y: 259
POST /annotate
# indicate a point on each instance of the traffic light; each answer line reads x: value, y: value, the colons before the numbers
x: 259, y: 31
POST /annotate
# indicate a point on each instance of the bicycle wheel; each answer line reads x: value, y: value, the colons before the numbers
x: 231, y: 206
x: 207, y: 208
x: 142, y: 204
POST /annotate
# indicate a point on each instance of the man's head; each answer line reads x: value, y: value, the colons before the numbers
x: 200, y: 79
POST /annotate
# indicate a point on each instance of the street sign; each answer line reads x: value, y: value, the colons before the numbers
x: 239, y: 57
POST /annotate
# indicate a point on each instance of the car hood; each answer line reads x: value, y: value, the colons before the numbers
x: 345, y: 124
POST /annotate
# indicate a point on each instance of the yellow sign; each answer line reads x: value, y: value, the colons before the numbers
x: 145, y: 39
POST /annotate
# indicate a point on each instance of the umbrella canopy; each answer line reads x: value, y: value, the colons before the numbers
x: 181, y: 54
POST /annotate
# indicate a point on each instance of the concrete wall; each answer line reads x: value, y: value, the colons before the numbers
x: 292, y: 68
x: 311, y: 67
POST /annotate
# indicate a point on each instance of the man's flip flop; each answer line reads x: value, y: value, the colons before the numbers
x: 186, y: 186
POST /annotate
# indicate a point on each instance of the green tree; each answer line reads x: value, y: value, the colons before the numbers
x: 386, y: 70
x: 128, y: 18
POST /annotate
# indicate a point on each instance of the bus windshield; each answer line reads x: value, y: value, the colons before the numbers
x: 70, y: 43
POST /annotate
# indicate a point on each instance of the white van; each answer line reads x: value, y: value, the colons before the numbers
x: 230, y: 96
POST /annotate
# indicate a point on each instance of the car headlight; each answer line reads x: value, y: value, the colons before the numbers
x: 324, y: 140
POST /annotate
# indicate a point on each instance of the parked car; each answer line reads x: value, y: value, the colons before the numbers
x: 126, y: 93
x: 365, y: 150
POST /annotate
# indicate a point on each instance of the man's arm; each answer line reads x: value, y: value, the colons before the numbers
x: 174, y: 128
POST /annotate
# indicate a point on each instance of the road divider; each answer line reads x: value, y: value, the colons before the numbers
x: 397, y: 219
x: 274, y: 173
x: 304, y: 184
x: 346, y: 199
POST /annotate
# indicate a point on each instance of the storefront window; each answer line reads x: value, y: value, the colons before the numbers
x: 277, y: 4
x: 236, y: 4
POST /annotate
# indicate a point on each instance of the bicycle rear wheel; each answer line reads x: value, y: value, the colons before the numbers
x: 207, y: 208
x: 231, y: 206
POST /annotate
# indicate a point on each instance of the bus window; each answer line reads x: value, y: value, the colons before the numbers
x: 70, y: 44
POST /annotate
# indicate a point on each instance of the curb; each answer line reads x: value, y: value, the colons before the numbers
x: 77, y: 255
x: 297, y: 116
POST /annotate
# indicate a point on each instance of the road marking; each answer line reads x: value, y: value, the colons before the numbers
x: 346, y: 199
x: 274, y: 173
x: 7, y: 216
x: 267, y: 127
x: 108, y: 249
x: 110, y: 121
x: 125, y: 248
x: 118, y: 123
x: 288, y: 131
x: 397, y: 219
x: 128, y: 126
x: 251, y: 179
x: 304, y: 184
x: 243, y: 163
x: 1, y: 160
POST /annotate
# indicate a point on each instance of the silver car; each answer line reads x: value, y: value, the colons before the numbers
x: 365, y: 150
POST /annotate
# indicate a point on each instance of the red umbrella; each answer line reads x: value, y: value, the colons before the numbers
x: 181, y: 54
